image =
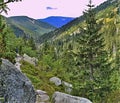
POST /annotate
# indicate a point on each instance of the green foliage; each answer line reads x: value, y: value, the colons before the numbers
x: 28, y: 51
x: 82, y: 59
x: 32, y: 73
x: 112, y: 27
x: 92, y: 61
x: 113, y: 97
x: 23, y: 25
x: 32, y: 43
x: 10, y: 44
x: 10, y: 56
x: 77, y: 54
x: 40, y: 77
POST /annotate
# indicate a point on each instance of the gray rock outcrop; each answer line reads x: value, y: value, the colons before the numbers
x: 15, y: 87
x: 31, y: 60
x: 59, y: 97
x: 42, y: 97
x: 56, y: 80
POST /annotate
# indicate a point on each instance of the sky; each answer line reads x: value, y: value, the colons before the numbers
x: 44, y: 8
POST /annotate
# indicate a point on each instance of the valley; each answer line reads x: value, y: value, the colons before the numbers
x: 75, y: 61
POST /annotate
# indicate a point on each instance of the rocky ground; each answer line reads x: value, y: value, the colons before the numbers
x: 15, y: 87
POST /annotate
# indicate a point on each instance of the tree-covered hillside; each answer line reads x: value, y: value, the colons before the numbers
x: 10, y: 44
x: 25, y: 26
x: 84, y: 53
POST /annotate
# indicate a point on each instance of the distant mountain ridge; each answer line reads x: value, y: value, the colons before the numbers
x: 23, y: 25
x: 57, y: 21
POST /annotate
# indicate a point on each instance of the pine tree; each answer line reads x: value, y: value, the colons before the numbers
x: 32, y: 43
x: 2, y: 36
x: 92, y: 59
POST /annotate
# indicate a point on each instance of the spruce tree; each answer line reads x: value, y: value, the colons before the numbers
x: 32, y: 43
x: 92, y: 59
x: 2, y: 36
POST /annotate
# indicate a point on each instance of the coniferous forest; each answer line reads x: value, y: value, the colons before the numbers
x: 84, y: 53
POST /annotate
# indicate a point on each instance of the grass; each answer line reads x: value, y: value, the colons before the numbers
x: 40, y: 78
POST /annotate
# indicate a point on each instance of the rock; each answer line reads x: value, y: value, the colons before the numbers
x: 17, y: 65
x: 18, y: 58
x: 15, y: 87
x: 42, y: 97
x: 56, y: 80
x: 68, y: 86
x: 30, y: 59
x: 59, y: 97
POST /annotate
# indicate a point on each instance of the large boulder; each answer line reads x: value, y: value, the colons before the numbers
x: 57, y: 81
x: 59, y: 97
x: 15, y: 87
x: 42, y: 97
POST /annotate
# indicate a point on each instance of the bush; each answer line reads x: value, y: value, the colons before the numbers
x: 10, y: 56
x: 29, y: 51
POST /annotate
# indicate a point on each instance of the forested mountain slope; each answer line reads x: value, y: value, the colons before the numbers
x: 25, y: 26
x: 73, y: 26
x: 86, y: 53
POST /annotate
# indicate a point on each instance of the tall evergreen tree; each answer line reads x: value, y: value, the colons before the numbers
x: 94, y: 70
x: 32, y: 43
x: 2, y: 35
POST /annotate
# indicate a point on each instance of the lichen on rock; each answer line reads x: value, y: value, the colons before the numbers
x: 15, y: 87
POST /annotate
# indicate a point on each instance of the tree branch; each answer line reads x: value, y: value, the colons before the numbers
x: 4, y: 3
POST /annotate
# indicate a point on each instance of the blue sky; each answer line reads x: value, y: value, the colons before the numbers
x: 44, y: 8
